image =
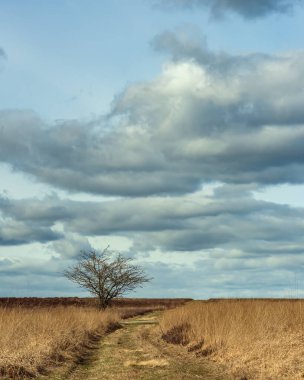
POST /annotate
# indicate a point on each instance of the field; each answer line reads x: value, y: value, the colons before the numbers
x: 214, y: 339
x: 255, y: 339
x: 37, y: 334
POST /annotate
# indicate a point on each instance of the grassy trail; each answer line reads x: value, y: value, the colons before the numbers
x: 136, y: 352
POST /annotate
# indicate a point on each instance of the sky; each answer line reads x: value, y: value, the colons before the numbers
x: 170, y: 130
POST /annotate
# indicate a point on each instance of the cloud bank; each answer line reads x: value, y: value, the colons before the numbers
x: 184, y: 223
x: 249, y: 9
x: 225, y: 236
x: 207, y: 117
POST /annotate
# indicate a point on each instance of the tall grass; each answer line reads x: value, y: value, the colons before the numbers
x: 38, y: 333
x: 31, y: 340
x: 256, y: 339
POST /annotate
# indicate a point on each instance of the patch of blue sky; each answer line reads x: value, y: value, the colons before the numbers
x: 288, y: 194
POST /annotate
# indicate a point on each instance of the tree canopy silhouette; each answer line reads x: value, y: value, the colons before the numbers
x: 105, y: 275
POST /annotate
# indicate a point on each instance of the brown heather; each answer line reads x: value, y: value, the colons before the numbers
x: 255, y: 339
x: 31, y: 340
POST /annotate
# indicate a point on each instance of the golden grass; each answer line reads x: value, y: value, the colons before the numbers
x: 255, y: 339
x: 31, y: 340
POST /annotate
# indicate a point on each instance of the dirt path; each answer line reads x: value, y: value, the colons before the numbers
x: 135, y: 352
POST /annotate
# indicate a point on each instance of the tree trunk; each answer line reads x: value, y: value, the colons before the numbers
x: 103, y: 304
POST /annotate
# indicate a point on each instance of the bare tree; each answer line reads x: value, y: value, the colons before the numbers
x: 104, y: 276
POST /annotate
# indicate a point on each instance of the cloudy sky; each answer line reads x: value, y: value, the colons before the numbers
x: 171, y: 130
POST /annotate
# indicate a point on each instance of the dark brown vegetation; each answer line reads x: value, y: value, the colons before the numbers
x: 31, y: 302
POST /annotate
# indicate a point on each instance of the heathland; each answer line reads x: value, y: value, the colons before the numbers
x: 38, y: 334
x: 59, y: 338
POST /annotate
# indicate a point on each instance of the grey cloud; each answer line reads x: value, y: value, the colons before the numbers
x: 133, y: 215
x: 26, y: 225
x: 71, y: 246
x: 36, y: 281
x: 187, y: 43
x: 207, y: 117
x: 184, y: 44
x: 247, y: 232
x: 13, y: 232
x: 249, y: 9
x: 86, y: 157
x: 228, y: 242
x: 43, y: 213
x: 194, y: 222
x: 3, y: 58
x: 204, y: 279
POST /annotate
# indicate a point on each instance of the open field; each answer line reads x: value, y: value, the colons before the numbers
x: 214, y: 339
x: 256, y: 339
x: 37, y: 334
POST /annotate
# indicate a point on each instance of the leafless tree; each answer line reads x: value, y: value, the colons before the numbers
x: 105, y: 276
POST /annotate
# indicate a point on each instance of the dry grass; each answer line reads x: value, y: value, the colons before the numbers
x: 255, y: 339
x: 32, y: 340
